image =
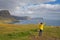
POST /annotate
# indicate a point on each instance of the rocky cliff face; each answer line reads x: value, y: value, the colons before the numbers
x: 21, y: 17
x: 5, y: 15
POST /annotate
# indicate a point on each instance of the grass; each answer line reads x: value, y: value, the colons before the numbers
x: 28, y: 32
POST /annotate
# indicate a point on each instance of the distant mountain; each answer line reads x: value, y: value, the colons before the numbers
x: 38, y: 18
x: 5, y: 15
x: 21, y: 17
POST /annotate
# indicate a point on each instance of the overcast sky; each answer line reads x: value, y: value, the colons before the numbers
x: 49, y: 9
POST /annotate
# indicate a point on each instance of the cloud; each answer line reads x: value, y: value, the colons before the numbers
x: 9, y: 4
x: 12, y: 4
x: 33, y: 8
x: 45, y: 6
x: 47, y: 11
x: 41, y: 1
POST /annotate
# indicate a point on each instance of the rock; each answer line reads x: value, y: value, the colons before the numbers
x: 5, y: 15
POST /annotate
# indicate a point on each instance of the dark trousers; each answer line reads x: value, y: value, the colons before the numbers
x: 40, y: 32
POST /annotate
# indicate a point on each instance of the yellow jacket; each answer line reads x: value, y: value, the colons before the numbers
x: 41, y: 26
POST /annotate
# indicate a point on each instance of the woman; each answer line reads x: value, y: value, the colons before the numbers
x: 41, y: 25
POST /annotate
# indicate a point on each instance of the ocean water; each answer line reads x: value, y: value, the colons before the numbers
x: 53, y: 22
x: 47, y: 22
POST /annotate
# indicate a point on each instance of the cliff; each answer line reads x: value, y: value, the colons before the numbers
x: 5, y: 16
x: 21, y: 17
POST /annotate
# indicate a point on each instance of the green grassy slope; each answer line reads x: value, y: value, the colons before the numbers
x: 28, y: 32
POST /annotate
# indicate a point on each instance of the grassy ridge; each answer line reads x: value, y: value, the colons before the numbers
x: 28, y: 32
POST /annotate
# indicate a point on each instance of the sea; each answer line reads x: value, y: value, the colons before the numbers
x: 36, y: 21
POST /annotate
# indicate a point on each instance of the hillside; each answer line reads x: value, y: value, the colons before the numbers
x: 21, y: 17
x: 5, y: 16
x: 28, y: 32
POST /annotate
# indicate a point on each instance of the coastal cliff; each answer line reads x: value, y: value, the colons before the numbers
x: 5, y: 16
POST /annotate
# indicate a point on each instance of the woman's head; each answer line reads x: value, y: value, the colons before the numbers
x: 41, y: 23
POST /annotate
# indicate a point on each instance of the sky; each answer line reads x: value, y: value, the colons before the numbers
x: 48, y: 9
